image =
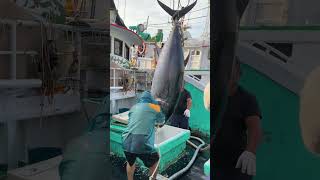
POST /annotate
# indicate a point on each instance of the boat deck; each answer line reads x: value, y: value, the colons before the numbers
x: 195, y: 172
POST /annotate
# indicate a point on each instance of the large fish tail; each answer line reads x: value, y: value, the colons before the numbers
x: 177, y: 14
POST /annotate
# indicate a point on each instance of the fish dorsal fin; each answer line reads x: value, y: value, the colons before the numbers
x: 177, y: 14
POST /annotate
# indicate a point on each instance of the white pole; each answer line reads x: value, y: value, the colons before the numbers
x: 114, y: 78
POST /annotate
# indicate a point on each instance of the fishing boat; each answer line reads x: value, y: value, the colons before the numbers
x: 47, y: 62
x: 127, y: 76
x: 279, y: 51
x: 172, y: 143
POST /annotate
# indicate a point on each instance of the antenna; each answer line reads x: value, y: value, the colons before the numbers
x: 125, y: 6
x: 147, y: 23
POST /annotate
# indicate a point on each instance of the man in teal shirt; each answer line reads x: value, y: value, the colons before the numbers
x: 138, y: 138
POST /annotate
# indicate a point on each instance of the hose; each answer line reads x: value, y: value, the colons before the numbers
x: 179, y: 173
x: 195, y: 146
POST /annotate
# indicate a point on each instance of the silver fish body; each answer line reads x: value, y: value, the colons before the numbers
x: 168, y: 77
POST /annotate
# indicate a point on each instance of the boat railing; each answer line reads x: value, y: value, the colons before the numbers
x: 145, y: 63
x: 197, y: 71
x: 198, y: 78
x: 116, y: 77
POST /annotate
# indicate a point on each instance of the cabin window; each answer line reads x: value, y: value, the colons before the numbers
x: 118, y: 44
x: 258, y: 46
x: 126, y: 52
x: 285, y: 48
x: 197, y: 53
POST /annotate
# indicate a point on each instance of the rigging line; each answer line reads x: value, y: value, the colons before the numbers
x: 200, y: 9
x: 165, y: 26
x: 170, y: 22
x: 160, y: 23
x: 197, y: 17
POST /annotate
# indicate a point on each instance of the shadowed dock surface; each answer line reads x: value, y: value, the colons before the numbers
x: 195, y: 172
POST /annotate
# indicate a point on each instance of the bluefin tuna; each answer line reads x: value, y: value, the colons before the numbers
x: 168, y: 77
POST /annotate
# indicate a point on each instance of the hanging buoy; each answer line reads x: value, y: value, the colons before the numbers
x: 142, y: 49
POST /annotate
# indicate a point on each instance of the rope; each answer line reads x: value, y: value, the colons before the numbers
x: 170, y: 22
x: 43, y: 90
x: 47, y: 70
x: 200, y: 9
x: 155, y: 170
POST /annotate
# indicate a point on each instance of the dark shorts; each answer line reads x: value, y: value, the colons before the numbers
x: 147, y: 159
x: 229, y: 174
x: 179, y: 121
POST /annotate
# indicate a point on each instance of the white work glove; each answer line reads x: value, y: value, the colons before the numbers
x: 247, y: 163
x: 206, y: 96
x: 187, y: 113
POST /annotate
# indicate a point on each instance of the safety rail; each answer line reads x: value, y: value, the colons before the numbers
x: 114, y: 77
x: 140, y: 79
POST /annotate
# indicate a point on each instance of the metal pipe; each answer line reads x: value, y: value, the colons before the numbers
x: 57, y: 26
x: 19, y: 52
x: 20, y: 83
x: 114, y: 77
x: 13, y: 43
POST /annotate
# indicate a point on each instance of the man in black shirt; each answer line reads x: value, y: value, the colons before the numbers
x: 181, y: 115
x: 237, y: 139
